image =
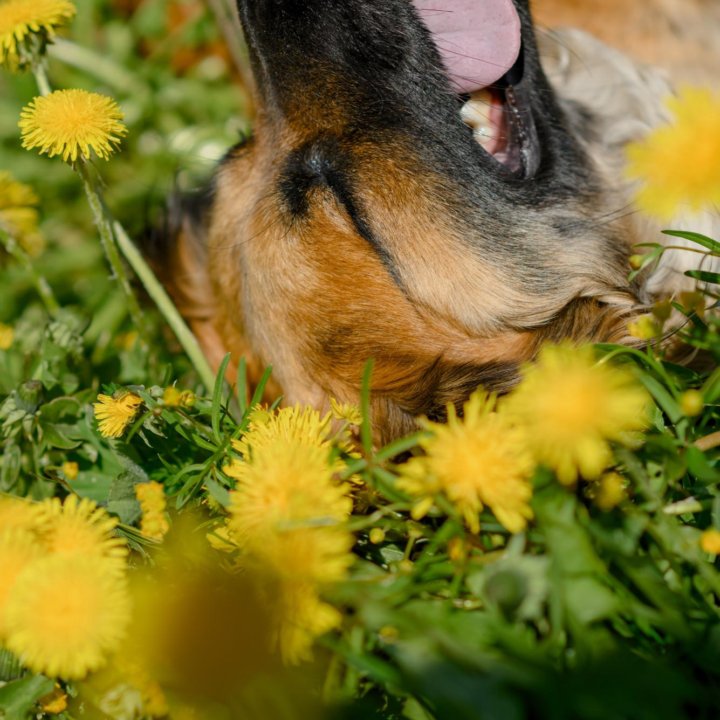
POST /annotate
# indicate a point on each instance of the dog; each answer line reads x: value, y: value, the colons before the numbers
x: 404, y: 198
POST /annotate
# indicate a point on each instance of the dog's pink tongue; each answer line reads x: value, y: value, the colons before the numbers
x: 479, y: 40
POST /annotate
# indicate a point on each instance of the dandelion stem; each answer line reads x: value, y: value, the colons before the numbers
x: 102, y: 221
x: 166, y: 306
x: 41, y: 78
x: 42, y: 286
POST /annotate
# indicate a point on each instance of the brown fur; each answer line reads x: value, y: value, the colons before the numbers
x: 318, y: 301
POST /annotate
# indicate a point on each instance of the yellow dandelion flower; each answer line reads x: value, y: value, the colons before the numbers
x: 301, y: 617
x: 79, y: 527
x: 692, y: 403
x: 172, y: 397
x: 115, y: 412
x: 7, y: 335
x: 127, y: 341
x: 694, y: 302
x: 345, y: 411
x: 710, y: 542
x: 644, y: 328
x: 18, y: 514
x: 19, y: 19
x: 151, y: 496
x: 376, y: 536
x: 221, y: 539
x: 18, y: 213
x: 572, y: 408
x: 475, y: 462
x: 679, y: 164
x: 66, y: 614
x: 609, y: 491
x: 18, y: 549
x: 133, y: 672
x: 288, y: 517
x: 287, y: 513
x: 70, y: 470
x: 302, y: 426
x: 458, y: 549
x: 72, y: 123
x: 54, y: 702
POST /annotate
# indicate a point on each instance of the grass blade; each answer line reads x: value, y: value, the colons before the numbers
x: 217, y: 398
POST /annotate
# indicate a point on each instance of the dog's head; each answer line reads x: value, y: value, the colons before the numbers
x: 364, y: 220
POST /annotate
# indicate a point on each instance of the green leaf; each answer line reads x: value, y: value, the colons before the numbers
x: 662, y: 397
x: 54, y: 437
x: 241, y: 386
x: 215, y: 413
x: 17, y: 698
x: 703, y: 240
x: 704, y: 275
x: 589, y: 600
x: 711, y: 388
x: 700, y: 467
x: 257, y: 395
x: 10, y: 464
x: 60, y: 408
x: 218, y: 492
x: 122, y: 501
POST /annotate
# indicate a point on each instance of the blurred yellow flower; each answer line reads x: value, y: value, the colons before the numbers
x: 288, y: 516
x: 18, y: 513
x: 115, y: 412
x: 18, y: 213
x: 18, y: 549
x: 377, y: 536
x: 694, y: 301
x: 692, y: 403
x: 475, y: 462
x: 609, y: 491
x: 66, y: 614
x: 79, y: 527
x: 70, y: 470
x: 710, y: 541
x: 7, y: 335
x: 679, y: 164
x: 151, y: 496
x: 572, y: 407
x: 132, y: 671
x: 72, y: 123
x: 286, y: 504
x: 301, y: 616
x: 54, y: 702
x: 172, y: 397
x: 21, y: 18
x: 345, y: 411
x: 645, y: 327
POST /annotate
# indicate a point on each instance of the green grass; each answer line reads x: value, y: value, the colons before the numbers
x: 590, y: 614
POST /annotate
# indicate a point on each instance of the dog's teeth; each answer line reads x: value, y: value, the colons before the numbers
x: 476, y: 114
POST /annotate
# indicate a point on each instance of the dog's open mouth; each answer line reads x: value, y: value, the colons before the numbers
x: 502, y: 123
x: 481, y: 49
